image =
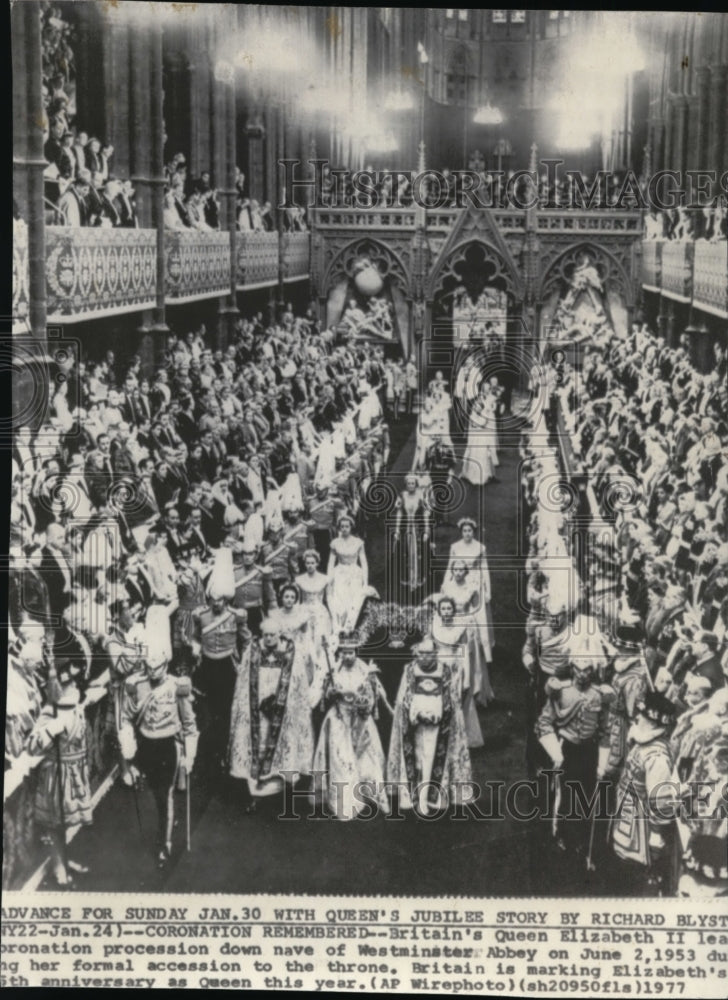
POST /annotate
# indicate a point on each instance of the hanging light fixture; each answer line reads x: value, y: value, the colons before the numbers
x: 488, y: 115
x: 399, y: 100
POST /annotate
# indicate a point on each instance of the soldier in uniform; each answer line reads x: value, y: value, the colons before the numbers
x: 297, y: 535
x: 326, y: 509
x: 159, y: 732
x: 644, y: 824
x: 573, y: 728
x: 62, y: 791
x: 254, y: 591
x: 545, y: 655
x: 278, y: 556
x: 125, y: 649
x: 220, y: 635
x: 440, y: 464
x: 630, y: 683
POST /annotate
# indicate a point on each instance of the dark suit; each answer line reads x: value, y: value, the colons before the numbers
x: 57, y: 584
x: 126, y: 212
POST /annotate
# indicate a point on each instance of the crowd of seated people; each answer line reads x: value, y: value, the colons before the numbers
x: 650, y: 433
x: 121, y: 497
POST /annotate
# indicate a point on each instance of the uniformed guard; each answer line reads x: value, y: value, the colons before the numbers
x: 253, y: 590
x: 159, y: 733
x: 644, y: 821
x: 297, y: 534
x: 326, y: 508
x: 220, y: 635
x: 125, y: 647
x: 278, y: 556
x: 573, y: 728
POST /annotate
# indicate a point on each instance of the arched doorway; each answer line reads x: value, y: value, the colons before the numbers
x: 366, y: 289
x: 476, y: 317
x: 584, y: 292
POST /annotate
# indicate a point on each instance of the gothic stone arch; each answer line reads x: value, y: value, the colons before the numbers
x: 344, y: 259
x: 501, y: 270
x: 558, y: 270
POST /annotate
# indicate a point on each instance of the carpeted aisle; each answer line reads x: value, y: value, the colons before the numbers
x: 501, y: 855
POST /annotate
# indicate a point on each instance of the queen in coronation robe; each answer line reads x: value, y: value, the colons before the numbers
x: 271, y: 731
x: 428, y: 751
x: 349, y: 761
x: 411, y: 538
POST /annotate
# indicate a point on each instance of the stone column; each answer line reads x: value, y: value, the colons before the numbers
x: 115, y: 70
x: 717, y: 112
x: 703, y: 116
x: 30, y: 383
x: 159, y: 325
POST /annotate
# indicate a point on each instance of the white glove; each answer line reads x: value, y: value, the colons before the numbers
x: 657, y: 841
x: 56, y: 726
x: 127, y: 742
x: 190, y: 752
x: 603, y: 762
x: 552, y: 745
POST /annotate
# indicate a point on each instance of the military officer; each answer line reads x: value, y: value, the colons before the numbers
x: 125, y: 647
x: 646, y: 801
x: 298, y: 534
x: 159, y: 732
x: 254, y: 591
x: 326, y: 509
x: 278, y: 557
x: 220, y: 635
x: 573, y: 728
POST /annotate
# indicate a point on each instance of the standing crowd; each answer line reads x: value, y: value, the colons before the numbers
x: 626, y: 638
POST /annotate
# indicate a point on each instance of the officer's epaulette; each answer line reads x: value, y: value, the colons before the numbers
x: 133, y: 681
x: 184, y: 687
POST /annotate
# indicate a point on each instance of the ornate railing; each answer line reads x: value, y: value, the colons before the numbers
x: 197, y: 265
x: 257, y: 259
x: 98, y: 272
x: 296, y: 261
x: 20, y: 278
x: 690, y: 271
x: 677, y: 261
x: 22, y: 851
x: 652, y: 264
x: 710, y: 276
x: 601, y: 221
x: 367, y: 218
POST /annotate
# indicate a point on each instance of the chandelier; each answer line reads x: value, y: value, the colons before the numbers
x: 488, y: 115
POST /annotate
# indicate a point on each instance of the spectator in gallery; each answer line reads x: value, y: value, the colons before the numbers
x: 93, y: 158
x: 79, y: 150
x: 105, y: 157
x: 124, y: 204
x: 73, y: 208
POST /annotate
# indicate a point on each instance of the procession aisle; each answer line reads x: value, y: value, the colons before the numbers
x: 232, y: 851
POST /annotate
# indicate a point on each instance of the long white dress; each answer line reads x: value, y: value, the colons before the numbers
x: 457, y: 647
x: 474, y: 555
x: 347, y: 588
x: 481, y: 458
x: 313, y: 591
x: 467, y: 599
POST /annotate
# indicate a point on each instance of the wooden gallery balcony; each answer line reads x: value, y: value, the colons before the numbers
x: 91, y: 273
x: 692, y: 272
